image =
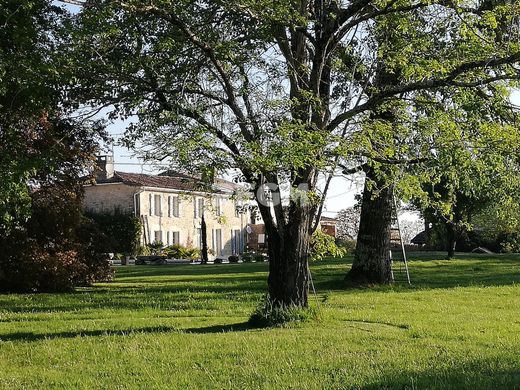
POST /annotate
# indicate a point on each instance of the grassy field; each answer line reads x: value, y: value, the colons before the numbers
x: 168, y: 327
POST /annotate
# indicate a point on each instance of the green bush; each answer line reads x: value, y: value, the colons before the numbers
x: 349, y: 246
x: 122, y: 231
x: 509, y: 242
x: 177, y: 251
x: 233, y: 259
x: 56, y: 250
x: 323, y: 245
x: 267, y: 314
x: 156, y: 248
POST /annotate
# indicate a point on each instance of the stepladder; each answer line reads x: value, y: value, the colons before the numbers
x: 399, y: 272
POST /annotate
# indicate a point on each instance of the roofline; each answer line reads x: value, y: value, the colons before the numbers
x: 106, y: 184
x: 176, y: 190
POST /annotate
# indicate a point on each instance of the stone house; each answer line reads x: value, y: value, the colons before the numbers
x: 170, y: 206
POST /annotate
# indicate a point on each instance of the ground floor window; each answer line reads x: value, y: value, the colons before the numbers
x: 199, y: 238
x: 217, y: 242
x: 236, y: 241
x: 158, y: 236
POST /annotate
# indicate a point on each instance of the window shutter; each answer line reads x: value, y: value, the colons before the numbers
x: 178, y: 206
x: 175, y: 206
x: 158, y: 206
x: 195, y: 204
x: 151, y: 200
x: 169, y: 206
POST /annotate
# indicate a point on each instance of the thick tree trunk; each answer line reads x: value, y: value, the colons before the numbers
x: 372, y: 261
x: 288, y: 279
x: 288, y: 238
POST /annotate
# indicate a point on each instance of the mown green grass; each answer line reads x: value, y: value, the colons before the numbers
x: 168, y: 327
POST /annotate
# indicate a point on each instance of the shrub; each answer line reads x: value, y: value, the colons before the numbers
x: 123, y: 231
x: 218, y: 260
x: 177, y: 251
x: 323, y: 245
x: 509, y: 242
x: 349, y: 246
x: 259, y: 257
x: 156, y: 247
x: 56, y: 250
x: 267, y: 314
x: 233, y: 259
x: 247, y: 257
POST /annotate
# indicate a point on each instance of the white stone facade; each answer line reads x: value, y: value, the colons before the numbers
x: 173, y: 216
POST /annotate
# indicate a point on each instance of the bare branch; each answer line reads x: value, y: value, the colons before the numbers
x: 432, y: 83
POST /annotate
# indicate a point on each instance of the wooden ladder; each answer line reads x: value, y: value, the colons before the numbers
x: 395, y: 230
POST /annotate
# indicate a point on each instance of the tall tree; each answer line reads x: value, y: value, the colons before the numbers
x: 38, y: 143
x: 408, y: 131
x: 272, y: 90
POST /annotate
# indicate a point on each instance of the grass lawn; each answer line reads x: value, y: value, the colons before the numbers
x: 166, y: 327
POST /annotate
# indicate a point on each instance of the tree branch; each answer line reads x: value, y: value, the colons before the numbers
x: 432, y: 83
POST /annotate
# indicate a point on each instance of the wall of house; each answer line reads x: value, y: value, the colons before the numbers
x: 109, y: 197
x: 118, y: 196
x: 187, y: 224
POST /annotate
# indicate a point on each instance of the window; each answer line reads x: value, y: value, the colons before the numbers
x: 168, y: 238
x: 218, y: 206
x: 158, y: 236
x: 176, y: 238
x: 173, y: 206
x: 199, y: 238
x: 137, y: 200
x: 236, y: 241
x: 237, y: 210
x: 157, y: 205
x: 217, y: 241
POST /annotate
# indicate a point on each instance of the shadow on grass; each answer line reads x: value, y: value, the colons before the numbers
x: 31, y: 336
x: 215, y: 286
x: 239, y: 327
x: 482, y: 374
x: 428, y: 271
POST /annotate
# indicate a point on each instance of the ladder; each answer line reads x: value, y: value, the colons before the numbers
x: 396, y: 236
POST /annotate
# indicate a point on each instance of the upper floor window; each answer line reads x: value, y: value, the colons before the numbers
x: 173, y: 206
x: 218, y: 206
x: 155, y: 204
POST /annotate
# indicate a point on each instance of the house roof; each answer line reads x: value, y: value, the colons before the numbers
x: 169, y: 180
x: 328, y: 220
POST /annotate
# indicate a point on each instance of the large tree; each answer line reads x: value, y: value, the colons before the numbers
x: 277, y: 91
x: 428, y: 134
x: 39, y: 144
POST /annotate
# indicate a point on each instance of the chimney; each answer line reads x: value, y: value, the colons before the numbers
x: 105, y: 167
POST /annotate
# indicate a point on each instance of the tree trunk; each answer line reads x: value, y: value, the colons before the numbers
x: 372, y: 261
x: 288, y: 247
x: 288, y: 279
x: 451, y: 239
x: 204, y: 239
